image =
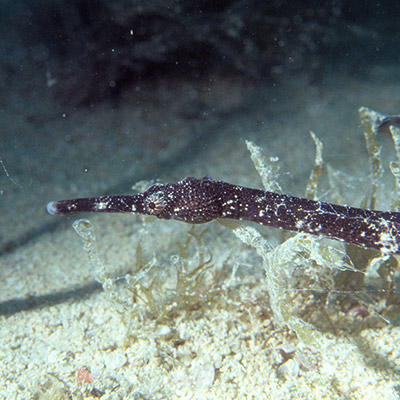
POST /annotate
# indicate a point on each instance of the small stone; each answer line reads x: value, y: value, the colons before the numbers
x: 289, y: 369
x: 115, y: 360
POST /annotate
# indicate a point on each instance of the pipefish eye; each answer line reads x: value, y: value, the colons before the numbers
x: 155, y: 203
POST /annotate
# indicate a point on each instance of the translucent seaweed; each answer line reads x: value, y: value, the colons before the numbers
x: 84, y: 229
x: 296, y: 252
x: 184, y: 288
x: 266, y: 167
x: 351, y: 269
x: 186, y: 291
x: 316, y: 172
x: 370, y: 121
x: 380, y: 267
x: 279, y: 263
x: 395, y: 168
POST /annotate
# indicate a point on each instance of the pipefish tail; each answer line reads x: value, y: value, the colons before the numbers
x: 197, y: 201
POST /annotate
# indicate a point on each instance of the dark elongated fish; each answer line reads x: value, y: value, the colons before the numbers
x: 198, y: 201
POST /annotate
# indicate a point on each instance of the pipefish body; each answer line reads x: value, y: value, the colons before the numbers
x: 202, y: 200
